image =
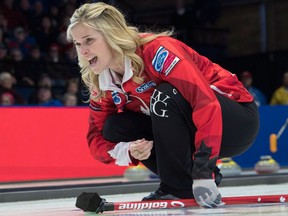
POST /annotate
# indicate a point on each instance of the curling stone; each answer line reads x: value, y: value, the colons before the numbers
x: 137, y: 173
x: 266, y: 165
x: 153, y: 175
x: 228, y: 167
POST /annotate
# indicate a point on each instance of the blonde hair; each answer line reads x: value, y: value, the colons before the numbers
x: 124, y: 40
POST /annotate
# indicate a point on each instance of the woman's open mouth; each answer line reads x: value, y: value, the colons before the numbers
x: 93, y: 61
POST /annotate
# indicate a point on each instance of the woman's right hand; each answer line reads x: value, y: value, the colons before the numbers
x: 141, y: 149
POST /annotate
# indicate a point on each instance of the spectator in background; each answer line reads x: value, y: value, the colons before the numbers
x: 56, y: 66
x: 72, y: 65
x: 43, y: 94
x: 3, y: 52
x: 247, y: 80
x: 21, y: 40
x: 54, y: 54
x: 69, y: 99
x: 54, y: 16
x: 7, y: 99
x: 45, y: 97
x: 34, y: 66
x: 44, y: 81
x: 35, y: 55
x: 62, y: 41
x: 280, y: 95
x: 46, y: 34
x: 3, y: 35
x: 18, y: 66
x: 3, y: 23
x: 24, y: 8
x: 12, y: 15
x: 71, y: 57
x: 4, y: 57
x: 72, y: 87
x: 7, y: 82
x: 37, y: 14
x: 16, y: 55
x: 16, y: 59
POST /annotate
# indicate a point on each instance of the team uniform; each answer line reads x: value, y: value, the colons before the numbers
x: 193, y: 110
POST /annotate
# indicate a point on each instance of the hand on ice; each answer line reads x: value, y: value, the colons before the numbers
x: 141, y: 149
x: 206, y: 193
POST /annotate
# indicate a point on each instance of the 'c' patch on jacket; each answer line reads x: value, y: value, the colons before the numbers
x: 164, y: 61
x: 116, y: 98
x: 120, y: 99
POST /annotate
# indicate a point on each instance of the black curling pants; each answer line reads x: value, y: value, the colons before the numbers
x: 171, y: 127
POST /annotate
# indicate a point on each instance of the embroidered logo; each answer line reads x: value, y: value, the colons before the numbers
x: 158, y: 104
x: 145, y: 86
x: 164, y: 61
x: 116, y: 97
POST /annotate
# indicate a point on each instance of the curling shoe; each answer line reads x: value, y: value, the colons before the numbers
x: 159, y: 195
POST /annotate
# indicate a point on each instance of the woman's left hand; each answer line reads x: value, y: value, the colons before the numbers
x: 141, y: 149
x: 206, y: 193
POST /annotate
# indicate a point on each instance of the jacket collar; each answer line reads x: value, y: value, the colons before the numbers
x: 109, y: 79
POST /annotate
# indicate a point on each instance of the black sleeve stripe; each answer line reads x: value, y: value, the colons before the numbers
x: 95, y: 108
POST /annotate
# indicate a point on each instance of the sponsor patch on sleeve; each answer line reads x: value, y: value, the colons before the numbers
x: 164, y: 61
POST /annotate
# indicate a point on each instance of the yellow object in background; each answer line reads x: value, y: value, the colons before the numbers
x: 137, y: 173
x: 266, y: 165
x: 273, y: 143
x: 228, y: 167
x: 274, y: 137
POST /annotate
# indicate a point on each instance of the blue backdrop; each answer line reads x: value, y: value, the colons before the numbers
x: 271, y: 120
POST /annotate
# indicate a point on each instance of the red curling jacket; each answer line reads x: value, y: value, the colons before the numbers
x: 196, y: 78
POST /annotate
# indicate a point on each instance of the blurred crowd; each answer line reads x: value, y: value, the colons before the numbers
x: 39, y: 67
x: 44, y: 94
x: 279, y: 96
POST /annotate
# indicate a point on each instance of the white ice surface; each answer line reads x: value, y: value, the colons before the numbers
x: 66, y: 207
